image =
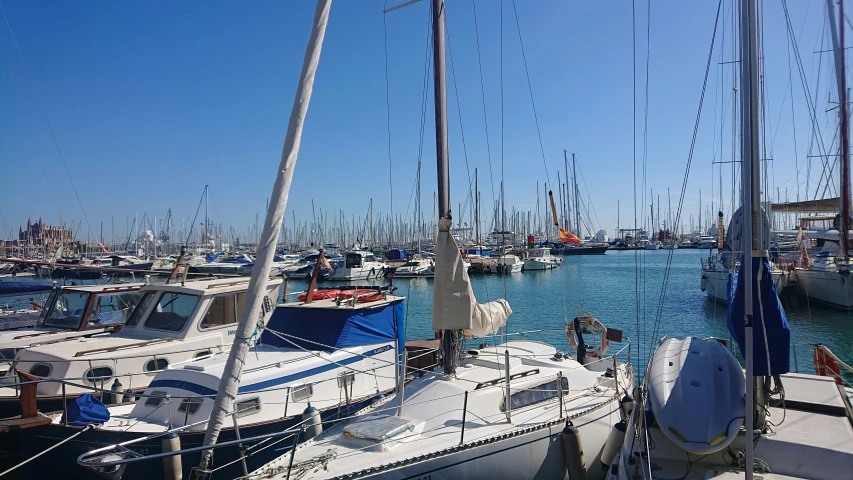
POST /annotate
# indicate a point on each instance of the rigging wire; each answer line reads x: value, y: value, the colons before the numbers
x: 388, y: 105
x: 668, y: 268
x: 530, y: 90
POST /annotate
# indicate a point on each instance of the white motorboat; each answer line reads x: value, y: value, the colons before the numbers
x: 652, y: 245
x: 509, y: 263
x: 73, y: 311
x: 541, y: 259
x: 307, y: 360
x: 417, y: 268
x: 359, y: 265
x: 171, y: 325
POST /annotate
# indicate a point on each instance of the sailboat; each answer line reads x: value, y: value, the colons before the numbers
x: 698, y: 415
x: 491, y: 411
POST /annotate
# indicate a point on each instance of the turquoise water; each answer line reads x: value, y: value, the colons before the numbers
x: 605, y: 285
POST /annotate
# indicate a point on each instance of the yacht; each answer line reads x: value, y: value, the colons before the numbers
x: 416, y: 268
x: 305, y: 361
x: 279, y: 264
x: 73, y: 311
x: 359, y: 265
x: 509, y: 263
x: 653, y: 245
x: 541, y: 259
x: 707, y: 242
x: 824, y: 277
x: 172, y: 324
x: 227, y: 266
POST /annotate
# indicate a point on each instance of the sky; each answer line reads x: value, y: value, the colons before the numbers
x: 114, y: 109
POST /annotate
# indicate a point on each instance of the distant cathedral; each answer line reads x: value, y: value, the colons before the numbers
x: 46, y: 235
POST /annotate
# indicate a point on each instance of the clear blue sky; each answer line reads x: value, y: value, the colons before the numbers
x: 150, y: 101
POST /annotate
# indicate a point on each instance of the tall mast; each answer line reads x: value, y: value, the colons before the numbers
x: 206, y: 205
x: 477, y: 209
x: 751, y: 170
x: 837, y: 33
x: 577, y: 206
x: 448, y: 337
x: 251, y: 312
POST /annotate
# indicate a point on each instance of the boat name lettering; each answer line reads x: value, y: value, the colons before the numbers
x: 232, y: 332
x: 379, y: 350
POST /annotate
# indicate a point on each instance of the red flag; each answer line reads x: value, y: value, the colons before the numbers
x: 568, y: 237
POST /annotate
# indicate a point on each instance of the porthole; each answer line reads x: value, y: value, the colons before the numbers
x: 156, y: 365
x: 302, y: 393
x: 204, y: 354
x: 156, y: 399
x: 99, y: 374
x: 192, y: 404
x: 248, y: 407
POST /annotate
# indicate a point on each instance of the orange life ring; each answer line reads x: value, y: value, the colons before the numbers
x: 319, y: 294
x: 586, y: 321
x: 825, y: 364
x: 363, y: 295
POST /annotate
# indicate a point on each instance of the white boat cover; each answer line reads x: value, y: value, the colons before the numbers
x: 454, y: 306
x: 696, y: 392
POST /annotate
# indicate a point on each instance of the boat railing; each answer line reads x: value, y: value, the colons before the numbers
x: 106, y: 456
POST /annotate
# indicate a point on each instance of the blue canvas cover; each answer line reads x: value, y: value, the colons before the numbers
x: 396, y: 254
x: 87, y: 409
x: 22, y: 288
x: 768, y: 316
x: 337, y: 327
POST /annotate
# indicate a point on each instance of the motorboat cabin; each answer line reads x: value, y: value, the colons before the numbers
x: 359, y: 265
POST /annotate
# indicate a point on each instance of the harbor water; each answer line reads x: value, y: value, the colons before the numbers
x: 623, y: 290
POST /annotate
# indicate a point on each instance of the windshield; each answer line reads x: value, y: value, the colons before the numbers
x: 45, y: 311
x: 67, y: 310
x: 140, y: 309
x: 172, y: 311
x: 112, y: 308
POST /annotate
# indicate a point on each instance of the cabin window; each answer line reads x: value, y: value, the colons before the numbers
x: 156, y: 365
x: 41, y: 370
x: 302, y: 393
x: 369, y: 258
x: 191, y: 404
x: 45, y: 312
x: 67, y: 311
x: 172, y: 311
x: 112, y: 308
x: 99, y: 374
x: 140, y: 309
x: 156, y: 399
x: 539, y: 393
x: 353, y: 260
x: 223, y: 310
x: 248, y: 407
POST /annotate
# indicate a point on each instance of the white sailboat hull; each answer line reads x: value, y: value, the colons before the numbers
x: 716, y: 284
x: 825, y: 286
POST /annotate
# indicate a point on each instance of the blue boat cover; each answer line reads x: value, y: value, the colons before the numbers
x: 212, y: 258
x: 22, y: 288
x: 768, y: 316
x: 396, y: 254
x: 334, y: 328
x: 87, y: 409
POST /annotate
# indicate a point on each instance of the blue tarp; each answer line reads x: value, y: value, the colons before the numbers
x: 396, y: 254
x: 87, y: 409
x: 22, y: 288
x: 337, y: 327
x: 768, y: 316
x: 212, y: 258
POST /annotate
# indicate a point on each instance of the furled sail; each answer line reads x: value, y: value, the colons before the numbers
x: 454, y: 306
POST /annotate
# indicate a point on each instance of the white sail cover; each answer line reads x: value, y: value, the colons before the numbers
x: 454, y: 306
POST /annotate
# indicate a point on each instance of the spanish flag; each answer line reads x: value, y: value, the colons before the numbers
x: 568, y: 237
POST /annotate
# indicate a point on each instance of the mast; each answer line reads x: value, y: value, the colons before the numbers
x: 577, y: 206
x: 477, y: 210
x: 751, y: 200
x: 249, y: 315
x: 206, y: 205
x: 837, y: 33
x: 448, y: 337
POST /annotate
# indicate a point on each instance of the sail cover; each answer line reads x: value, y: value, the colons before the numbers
x: 454, y: 306
x: 771, y: 345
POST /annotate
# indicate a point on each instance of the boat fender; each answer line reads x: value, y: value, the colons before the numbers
x: 113, y: 397
x: 312, y: 423
x: 627, y: 404
x: 613, y: 444
x: 128, y: 396
x: 172, y: 468
x: 110, y: 471
x: 704, y: 283
x: 573, y: 452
